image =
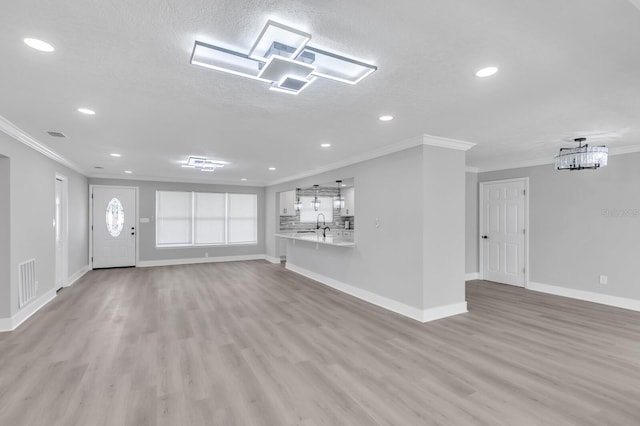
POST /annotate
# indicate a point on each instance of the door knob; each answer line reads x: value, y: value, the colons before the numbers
x: 133, y: 233
x: 484, y: 237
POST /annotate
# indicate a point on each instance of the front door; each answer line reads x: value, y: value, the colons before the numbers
x: 114, y: 226
x: 502, y: 231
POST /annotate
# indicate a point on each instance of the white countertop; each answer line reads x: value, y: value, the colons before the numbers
x: 318, y: 239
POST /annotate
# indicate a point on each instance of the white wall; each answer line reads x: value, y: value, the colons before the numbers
x: 583, y: 224
x: 387, y: 260
x: 416, y: 255
x: 5, y: 229
x: 32, y: 197
x: 147, y: 231
x: 444, y: 230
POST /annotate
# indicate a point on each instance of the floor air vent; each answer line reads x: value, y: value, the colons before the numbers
x: 27, y: 284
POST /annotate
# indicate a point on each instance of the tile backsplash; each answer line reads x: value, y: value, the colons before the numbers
x: 292, y: 223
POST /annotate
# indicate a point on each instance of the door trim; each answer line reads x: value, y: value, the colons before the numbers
x: 137, y: 220
x: 65, y: 223
x: 526, y: 224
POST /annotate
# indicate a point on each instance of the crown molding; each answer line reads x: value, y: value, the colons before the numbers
x: 629, y: 149
x: 447, y: 143
x: 514, y: 165
x: 381, y: 152
x: 20, y: 135
x: 621, y: 150
x: 133, y: 177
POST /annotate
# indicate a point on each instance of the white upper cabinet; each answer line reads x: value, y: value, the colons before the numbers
x: 349, y: 202
x: 287, y: 203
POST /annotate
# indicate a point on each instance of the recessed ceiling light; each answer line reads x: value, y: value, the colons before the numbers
x: 385, y: 118
x: 86, y: 111
x: 325, y: 145
x: 40, y: 45
x: 272, y: 168
x: 243, y: 179
x: 115, y: 155
x: 128, y: 172
x: 98, y: 167
x: 486, y: 72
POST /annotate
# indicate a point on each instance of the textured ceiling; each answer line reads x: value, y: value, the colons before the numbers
x: 567, y: 68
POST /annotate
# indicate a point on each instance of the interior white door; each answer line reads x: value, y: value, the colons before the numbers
x: 502, y: 232
x: 59, y: 224
x: 114, y: 226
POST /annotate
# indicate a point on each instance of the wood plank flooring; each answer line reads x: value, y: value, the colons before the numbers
x: 249, y: 343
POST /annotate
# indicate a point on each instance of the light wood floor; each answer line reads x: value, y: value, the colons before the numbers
x: 250, y: 343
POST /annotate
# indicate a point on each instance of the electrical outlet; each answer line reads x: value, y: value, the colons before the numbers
x: 604, y: 280
x: 206, y: 254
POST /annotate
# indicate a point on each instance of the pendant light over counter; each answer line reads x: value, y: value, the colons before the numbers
x: 298, y: 204
x: 338, y: 201
x: 315, y: 203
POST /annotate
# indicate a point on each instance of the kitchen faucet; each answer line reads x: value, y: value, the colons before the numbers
x: 324, y: 223
x: 324, y: 231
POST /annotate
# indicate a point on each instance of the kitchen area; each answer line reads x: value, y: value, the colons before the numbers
x: 321, y: 214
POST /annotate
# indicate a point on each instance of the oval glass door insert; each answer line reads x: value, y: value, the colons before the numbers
x: 115, y: 217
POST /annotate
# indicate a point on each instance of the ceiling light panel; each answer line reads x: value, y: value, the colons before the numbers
x: 291, y: 85
x: 203, y: 164
x: 280, y: 56
x: 274, y: 32
x: 277, y: 68
x: 336, y: 67
x: 225, y: 60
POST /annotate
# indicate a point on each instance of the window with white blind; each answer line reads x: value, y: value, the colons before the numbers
x: 204, y: 218
x: 242, y: 214
x: 209, y: 218
x: 174, y: 218
x: 309, y: 214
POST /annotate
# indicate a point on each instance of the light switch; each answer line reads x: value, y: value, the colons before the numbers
x: 144, y: 220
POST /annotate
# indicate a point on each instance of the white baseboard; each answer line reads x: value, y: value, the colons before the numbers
x: 79, y: 274
x: 604, y: 299
x: 10, y: 324
x: 272, y: 259
x: 170, y: 262
x: 440, y: 312
x: 382, y: 301
x: 472, y: 276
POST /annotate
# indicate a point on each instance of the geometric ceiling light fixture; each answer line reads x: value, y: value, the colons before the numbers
x: 281, y: 57
x: 582, y: 157
x: 203, y: 164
